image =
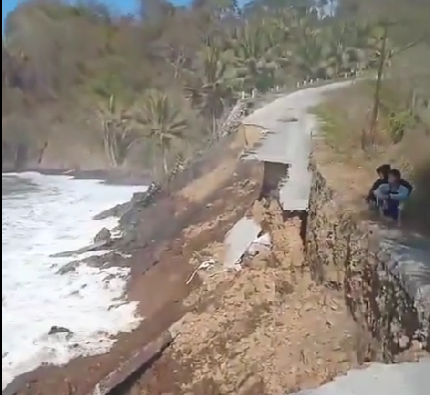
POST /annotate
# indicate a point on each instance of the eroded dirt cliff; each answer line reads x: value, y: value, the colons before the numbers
x: 345, y: 250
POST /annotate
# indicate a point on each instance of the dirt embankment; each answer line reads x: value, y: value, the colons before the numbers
x: 280, y: 324
x: 238, y: 331
x: 346, y: 250
x: 294, y: 317
x: 185, y: 219
x: 267, y: 329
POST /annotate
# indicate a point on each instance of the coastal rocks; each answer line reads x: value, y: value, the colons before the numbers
x: 120, y: 209
x: 126, y: 211
x: 97, y: 246
x: 138, y: 202
x: 69, y: 267
x: 59, y: 329
x: 115, y: 211
x: 102, y: 240
x: 113, y: 258
x: 104, y: 235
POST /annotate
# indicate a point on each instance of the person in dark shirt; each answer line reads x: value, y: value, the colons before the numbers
x: 392, y: 196
x: 383, y: 172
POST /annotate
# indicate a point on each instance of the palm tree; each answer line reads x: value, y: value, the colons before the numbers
x: 161, y: 122
x: 341, y: 54
x: 212, y: 91
x: 253, y: 63
x: 118, y: 136
x: 331, y: 52
x: 311, y: 58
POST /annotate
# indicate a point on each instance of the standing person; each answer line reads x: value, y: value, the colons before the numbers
x: 382, y: 172
x: 391, y: 195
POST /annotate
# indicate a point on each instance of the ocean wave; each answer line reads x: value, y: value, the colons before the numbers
x: 44, y: 215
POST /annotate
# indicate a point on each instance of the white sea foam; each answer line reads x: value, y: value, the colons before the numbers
x: 55, y: 215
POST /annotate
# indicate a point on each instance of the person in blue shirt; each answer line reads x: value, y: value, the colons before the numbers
x: 382, y: 172
x: 392, y: 195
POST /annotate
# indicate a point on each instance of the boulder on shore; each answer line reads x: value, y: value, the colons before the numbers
x: 104, y: 235
x: 59, y: 329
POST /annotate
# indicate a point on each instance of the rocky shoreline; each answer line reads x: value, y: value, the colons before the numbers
x: 152, y: 252
x: 238, y: 331
x: 133, y: 246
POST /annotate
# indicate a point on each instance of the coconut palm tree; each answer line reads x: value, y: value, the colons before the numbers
x: 161, y: 122
x: 257, y: 53
x: 118, y: 135
x: 311, y: 58
x: 341, y: 55
x: 213, y: 90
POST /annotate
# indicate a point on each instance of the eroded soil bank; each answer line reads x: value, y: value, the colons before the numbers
x: 280, y: 324
x: 267, y: 329
x: 346, y: 250
x: 197, y: 210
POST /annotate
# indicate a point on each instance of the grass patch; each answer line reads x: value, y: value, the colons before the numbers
x: 343, y: 115
x: 333, y: 128
x: 346, y: 112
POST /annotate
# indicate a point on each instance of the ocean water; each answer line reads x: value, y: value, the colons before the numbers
x: 44, y: 215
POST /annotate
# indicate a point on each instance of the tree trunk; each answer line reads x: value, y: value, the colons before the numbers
x: 106, y: 141
x: 114, y: 147
x: 42, y: 152
x: 165, y: 165
x: 109, y: 140
x: 215, y: 128
x: 376, y: 99
x: 21, y: 156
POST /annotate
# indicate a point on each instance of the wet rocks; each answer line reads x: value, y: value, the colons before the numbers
x: 97, y: 246
x: 104, y: 235
x: 113, y: 258
x: 69, y: 267
x: 59, y: 329
x: 139, y: 200
x: 112, y: 212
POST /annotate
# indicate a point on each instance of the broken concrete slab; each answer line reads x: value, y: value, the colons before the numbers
x: 290, y: 127
x: 239, y: 239
x: 295, y: 190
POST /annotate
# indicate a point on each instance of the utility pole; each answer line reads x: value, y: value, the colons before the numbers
x: 377, y: 95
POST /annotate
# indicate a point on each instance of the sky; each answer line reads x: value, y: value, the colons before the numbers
x: 125, y: 6
x: 121, y: 5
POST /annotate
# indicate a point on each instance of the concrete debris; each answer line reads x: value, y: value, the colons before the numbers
x: 288, y: 140
x: 244, y: 238
x: 238, y: 240
x: 260, y: 244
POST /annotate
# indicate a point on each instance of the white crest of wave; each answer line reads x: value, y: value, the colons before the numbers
x: 88, y: 301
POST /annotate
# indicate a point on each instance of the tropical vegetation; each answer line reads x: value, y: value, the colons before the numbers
x: 148, y: 86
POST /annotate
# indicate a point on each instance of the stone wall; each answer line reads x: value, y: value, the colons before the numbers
x: 344, y: 252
